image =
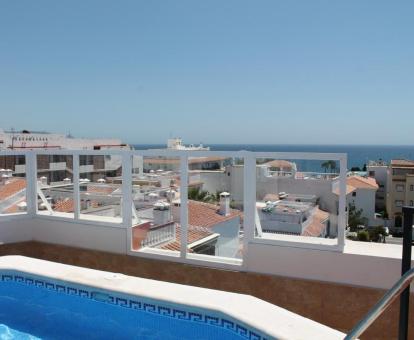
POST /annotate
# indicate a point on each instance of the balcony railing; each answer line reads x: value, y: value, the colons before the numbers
x: 82, y: 197
x: 159, y: 235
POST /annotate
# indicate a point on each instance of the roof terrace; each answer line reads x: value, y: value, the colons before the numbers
x: 199, y: 237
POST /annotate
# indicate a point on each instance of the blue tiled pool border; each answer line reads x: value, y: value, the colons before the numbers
x: 134, y: 302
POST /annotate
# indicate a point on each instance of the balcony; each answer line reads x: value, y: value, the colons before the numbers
x: 185, y: 224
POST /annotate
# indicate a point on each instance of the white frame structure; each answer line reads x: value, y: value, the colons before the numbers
x: 183, y: 256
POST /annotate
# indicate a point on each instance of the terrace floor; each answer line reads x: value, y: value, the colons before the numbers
x: 335, y: 305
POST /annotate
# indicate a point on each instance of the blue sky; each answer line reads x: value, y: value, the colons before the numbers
x: 291, y: 72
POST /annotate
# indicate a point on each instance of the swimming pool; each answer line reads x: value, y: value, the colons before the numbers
x: 45, y: 300
x: 32, y: 307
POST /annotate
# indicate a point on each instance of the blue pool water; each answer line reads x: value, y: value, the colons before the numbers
x: 40, y: 311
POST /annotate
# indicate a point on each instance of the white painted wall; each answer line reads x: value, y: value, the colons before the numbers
x: 362, y: 264
x: 88, y: 236
x: 365, y: 199
x: 15, y: 229
x: 215, y: 181
x: 228, y: 241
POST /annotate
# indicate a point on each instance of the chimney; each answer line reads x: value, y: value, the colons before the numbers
x: 170, y: 195
x: 4, y: 178
x: 43, y: 180
x: 176, y: 210
x: 225, y: 203
x: 162, y: 213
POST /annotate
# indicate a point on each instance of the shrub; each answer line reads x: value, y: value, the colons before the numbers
x: 363, y: 236
x: 377, y: 234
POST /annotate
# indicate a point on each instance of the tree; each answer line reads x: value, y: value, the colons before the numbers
x: 355, y: 217
x: 331, y: 165
x: 196, y: 194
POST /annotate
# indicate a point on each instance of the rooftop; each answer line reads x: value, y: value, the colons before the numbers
x: 359, y: 182
x: 208, y: 215
x: 403, y: 163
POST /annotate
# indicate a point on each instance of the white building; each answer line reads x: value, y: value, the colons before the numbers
x: 26, y: 140
x: 363, y: 196
x: 378, y: 170
x: 212, y: 230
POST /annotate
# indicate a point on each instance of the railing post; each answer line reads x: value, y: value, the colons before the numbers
x: 342, y: 202
x: 31, y: 187
x: 126, y: 189
x: 76, y: 189
x: 405, y: 267
x: 184, y: 204
x: 249, y: 202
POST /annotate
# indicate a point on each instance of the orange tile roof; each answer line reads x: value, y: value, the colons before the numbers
x: 317, y: 226
x: 207, y: 215
x: 100, y: 189
x: 281, y: 164
x: 162, y: 160
x: 349, y: 189
x: 362, y: 182
x: 271, y: 197
x: 194, y: 234
x: 65, y: 206
x: 11, y: 187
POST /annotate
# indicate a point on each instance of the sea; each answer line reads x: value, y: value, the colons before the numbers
x: 358, y: 155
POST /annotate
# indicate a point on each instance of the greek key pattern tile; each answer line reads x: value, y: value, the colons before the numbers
x: 135, y: 303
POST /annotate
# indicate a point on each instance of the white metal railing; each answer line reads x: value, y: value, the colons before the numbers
x: 159, y: 235
x: 249, y: 188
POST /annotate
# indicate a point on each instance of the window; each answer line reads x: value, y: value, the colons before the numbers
x: 354, y: 194
x: 398, y: 221
x: 371, y: 174
x: 399, y: 203
x: 208, y: 248
x: 412, y: 203
x: 399, y: 187
x: 411, y: 187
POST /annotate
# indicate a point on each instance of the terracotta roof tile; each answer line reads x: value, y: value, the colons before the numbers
x: 281, y: 164
x: 11, y: 187
x: 362, y: 182
x: 194, y: 234
x: 66, y: 205
x: 271, y: 197
x: 317, y: 226
x: 349, y: 189
x: 207, y: 215
x: 99, y: 189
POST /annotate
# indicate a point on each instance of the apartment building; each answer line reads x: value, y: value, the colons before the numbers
x: 379, y: 171
x: 400, y: 189
x: 58, y: 167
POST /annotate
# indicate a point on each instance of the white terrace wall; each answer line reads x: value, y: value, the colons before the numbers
x: 361, y: 264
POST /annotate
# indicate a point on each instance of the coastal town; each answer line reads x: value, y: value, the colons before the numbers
x: 206, y: 170
x: 289, y: 201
